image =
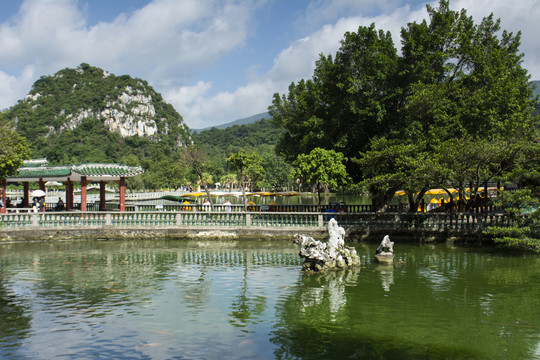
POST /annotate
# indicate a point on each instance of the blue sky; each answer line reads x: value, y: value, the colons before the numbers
x: 215, y: 61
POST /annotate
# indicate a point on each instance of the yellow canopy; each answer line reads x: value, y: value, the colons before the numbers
x: 260, y: 193
x: 197, y: 193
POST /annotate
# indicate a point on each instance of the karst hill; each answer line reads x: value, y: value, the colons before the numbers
x: 87, y: 114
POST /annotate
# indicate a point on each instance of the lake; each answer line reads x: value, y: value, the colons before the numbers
x: 188, y: 299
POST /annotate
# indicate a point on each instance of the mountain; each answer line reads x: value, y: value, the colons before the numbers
x: 537, y: 84
x: 87, y: 114
x: 244, y: 121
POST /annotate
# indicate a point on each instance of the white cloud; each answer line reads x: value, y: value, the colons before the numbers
x: 200, y: 111
x: 170, y: 43
x: 11, y: 86
x: 164, y: 42
x: 292, y: 64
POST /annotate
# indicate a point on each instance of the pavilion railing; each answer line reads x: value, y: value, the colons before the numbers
x: 463, y: 222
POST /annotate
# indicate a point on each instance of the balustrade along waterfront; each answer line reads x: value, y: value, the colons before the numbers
x: 175, y: 223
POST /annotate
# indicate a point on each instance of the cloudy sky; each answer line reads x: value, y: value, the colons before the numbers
x: 215, y: 61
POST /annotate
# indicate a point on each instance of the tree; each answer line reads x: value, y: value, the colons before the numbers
x: 456, y: 84
x: 350, y: 99
x: 392, y: 165
x: 229, y: 180
x: 13, y: 150
x: 469, y: 95
x: 245, y: 164
x: 195, y: 157
x: 321, y: 167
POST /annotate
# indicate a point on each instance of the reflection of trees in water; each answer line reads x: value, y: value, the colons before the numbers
x: 247, y: 308
x: 443, y: 303
x: 15, y: 321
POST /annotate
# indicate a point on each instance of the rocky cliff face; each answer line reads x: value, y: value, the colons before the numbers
x: 124, y: 105
x: 132, y: 113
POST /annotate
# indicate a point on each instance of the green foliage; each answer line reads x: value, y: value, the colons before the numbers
x: 321, y: 167
x: 248, y: 166
x: 392, y: 165
x: 522, y: 206
x: 260, y: 138
x: 350, y: 99
x: 60, y: 119
x: 454, y: 109
x: 13, y: 149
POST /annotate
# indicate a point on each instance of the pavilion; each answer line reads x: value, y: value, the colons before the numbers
x: 39, y: 171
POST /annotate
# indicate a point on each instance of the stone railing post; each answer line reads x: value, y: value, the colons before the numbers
x: 320, y: 222
x: 248, y: 219
x: 108, y: 219
x: 35, y: 219
x: 178, y: 219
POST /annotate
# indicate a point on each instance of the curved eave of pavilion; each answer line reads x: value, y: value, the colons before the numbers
x: 92, y: 172
x: 104, y: 172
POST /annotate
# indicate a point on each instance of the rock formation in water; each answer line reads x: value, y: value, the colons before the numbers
x: 321, y: 256
x: 385, y: 251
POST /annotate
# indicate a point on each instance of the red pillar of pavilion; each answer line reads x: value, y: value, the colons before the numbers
x: 26, y: 195
x: 102, y: 195
x: 122, y: 194
x: 83, y: 193
x: 69, y: 195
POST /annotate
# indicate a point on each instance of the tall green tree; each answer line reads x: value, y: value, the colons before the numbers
x: 469, y: 95
x: 351, y: 98
x: 455, y: 83
x: 321, y: 167
x: 248, y: 167
x: 196, y: 157
x: 13, y: 149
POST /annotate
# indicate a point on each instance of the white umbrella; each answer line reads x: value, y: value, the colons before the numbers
x: 38, y: 193
x: 53, y: 183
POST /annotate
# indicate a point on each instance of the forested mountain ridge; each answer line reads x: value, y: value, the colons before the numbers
x: 259, y: 137
x: 244, y: 121
x: 89, y: 115
x: 237, y: 136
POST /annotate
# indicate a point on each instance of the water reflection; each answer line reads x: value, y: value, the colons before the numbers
x: 195, y: 299
x: 386, y: 273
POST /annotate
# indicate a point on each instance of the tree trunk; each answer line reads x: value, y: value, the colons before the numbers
x: 381, y: 199
x: 199, y: 172
x: 244, y: 192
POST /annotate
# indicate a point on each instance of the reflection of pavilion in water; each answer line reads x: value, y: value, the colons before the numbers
x: 231, y: 257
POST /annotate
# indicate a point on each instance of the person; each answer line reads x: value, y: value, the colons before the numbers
x: 41, y: 205
x: 59, y: 205
x: 1, y: 202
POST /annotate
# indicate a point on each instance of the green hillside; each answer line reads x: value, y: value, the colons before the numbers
x: 88, y: 115
x: 259, y: 137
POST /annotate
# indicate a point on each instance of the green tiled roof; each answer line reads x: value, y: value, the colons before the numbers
x: 107, y: 170
x: 35, y: 163
x: 89, y: 170
x: 43, y: 172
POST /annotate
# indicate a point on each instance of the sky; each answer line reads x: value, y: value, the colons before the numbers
x: 215, y: 61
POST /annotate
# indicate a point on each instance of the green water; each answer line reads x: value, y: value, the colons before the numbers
x: 160, y: 299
